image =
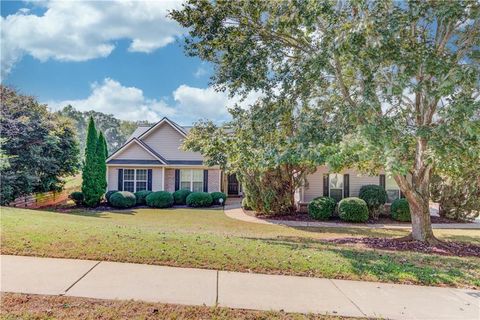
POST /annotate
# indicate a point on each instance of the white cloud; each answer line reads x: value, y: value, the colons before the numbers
x: 83, y: 30
x: 129, y: 103
x: 200, y: 72
x: 208, y: 103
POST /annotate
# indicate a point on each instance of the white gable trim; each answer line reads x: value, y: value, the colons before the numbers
x: 112, y: 156
x: 158, y: 124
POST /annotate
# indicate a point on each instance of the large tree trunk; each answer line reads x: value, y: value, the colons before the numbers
x: 417, y: 193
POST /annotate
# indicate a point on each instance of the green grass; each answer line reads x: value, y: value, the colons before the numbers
x: 209, y: 239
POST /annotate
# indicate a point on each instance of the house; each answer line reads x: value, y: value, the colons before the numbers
x: 152, y: 159
x: 339, y: 185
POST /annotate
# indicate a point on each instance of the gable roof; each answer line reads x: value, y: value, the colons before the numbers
x: 141, y: 144
x: 138, y: 132
x: 159, y: 123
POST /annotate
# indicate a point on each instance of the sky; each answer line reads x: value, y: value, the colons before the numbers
x: 117, y: 57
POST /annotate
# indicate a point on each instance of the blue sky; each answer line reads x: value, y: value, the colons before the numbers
x: 116, y: 57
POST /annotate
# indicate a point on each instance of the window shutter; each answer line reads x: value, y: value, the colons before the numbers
x: 205, y: 180
x: 149, y: 180
x: 120, y: 180
x: 382, y: 181
x: 325, y: 184
x: 346, y: 185
x: 177, y: 179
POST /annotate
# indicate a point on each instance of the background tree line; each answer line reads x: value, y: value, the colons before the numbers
x: 116, y: 131
x: 40, y: 148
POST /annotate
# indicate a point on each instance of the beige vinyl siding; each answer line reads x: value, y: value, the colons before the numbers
x: 213, y: 180
x: 315, y: 183
x: 167, y: 142
x: 134, y: 152
x: 112, y: 176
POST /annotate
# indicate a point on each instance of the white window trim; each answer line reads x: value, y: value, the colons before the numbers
x: 135, y: 178
x: 343, y: 184
x: 191, y: 178
x: 389, y: 188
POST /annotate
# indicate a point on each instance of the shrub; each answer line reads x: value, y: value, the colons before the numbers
x: 199, y: 199
x: 180, y: 196
x: 77, y: 197
x: 216, y: 196
x: 375, y: 196
x: 123, y: 199
x: 245, y: 204
x: 141, y: 195
x: 321, y: 208
x: 160, y: 199
x: 353, y: 210
x: 109, y: 194
x: 400, y: 210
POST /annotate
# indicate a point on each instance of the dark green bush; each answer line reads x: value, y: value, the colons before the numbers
x: 353, y: 210
x: 375, y: 196
x: 321, y: 208
x: 141, y: 195
x: 199, y: 199
x: 216, y: 196
x: 109, y: 194
x: 160, y: 199
x: 245, y: 204
x: 123, y: 199
x: 400, y: 210
x: 77, y: 197
x: 180, y: 196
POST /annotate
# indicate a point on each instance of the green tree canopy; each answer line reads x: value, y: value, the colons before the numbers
x: 90, y: 174
x: 398, y: 74
x: 38, y: 148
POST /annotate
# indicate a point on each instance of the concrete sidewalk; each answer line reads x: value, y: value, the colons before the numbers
x: 237, y: 213
x: 111, y: 280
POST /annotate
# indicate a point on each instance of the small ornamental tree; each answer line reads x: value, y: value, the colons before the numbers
x: 89, y: 173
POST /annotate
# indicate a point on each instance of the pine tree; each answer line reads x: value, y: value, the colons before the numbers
x: 90, y: 173
x: 101, y: 167
x: 106, y: 147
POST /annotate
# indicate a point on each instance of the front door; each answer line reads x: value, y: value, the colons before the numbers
x: 232, y: 185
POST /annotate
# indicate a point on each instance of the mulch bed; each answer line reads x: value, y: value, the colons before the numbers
x: 447, y: 248
x: 335, y: 219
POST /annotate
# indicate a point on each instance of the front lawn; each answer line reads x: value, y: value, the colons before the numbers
x: 209, y: 239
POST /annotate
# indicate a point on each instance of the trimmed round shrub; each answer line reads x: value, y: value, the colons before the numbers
x: 109, y: 194
x: 199, y: 199
x: 400, y: 210
x: 375, y: 196
x: 123, y: 199
x: 353, y: 210
x: 159, y: 199
x: 141, y: 195
x: 245, y: 204
x: 77, y: 197
x: 180, y: 196
x: 321, y: 208
x: 216, y: 196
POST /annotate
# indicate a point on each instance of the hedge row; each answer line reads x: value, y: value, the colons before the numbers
x: 354, y: 209
x: 158, y: 199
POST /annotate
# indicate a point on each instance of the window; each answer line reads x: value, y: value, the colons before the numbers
x: 393, y: 191
x: 335, y: 186
x: 197, y: 180
x: 185, y: 179
x: 129, y: 180
x: 191, y: 180
x: 134, y: 180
